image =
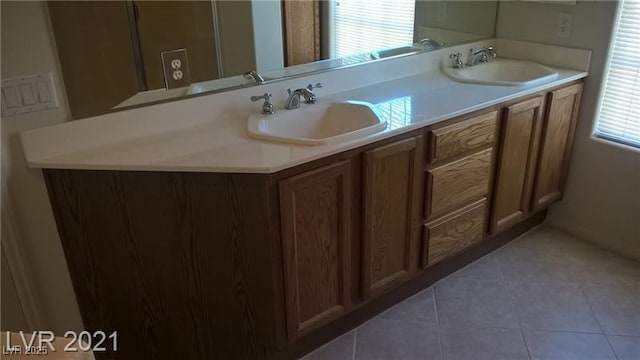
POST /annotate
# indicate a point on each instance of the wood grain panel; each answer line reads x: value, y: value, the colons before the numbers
x: 301, y: 31
x: 453, y: 233
x: 517, y: 159
x: 555, y: 146
x: 96, y: 54
x: 392, y: 176
x: 466, y: 135
x: 168, y: 260
x: 315, y: 208
x: 457, y: 183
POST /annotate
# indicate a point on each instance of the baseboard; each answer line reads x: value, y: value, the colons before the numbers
x: 589, y: 236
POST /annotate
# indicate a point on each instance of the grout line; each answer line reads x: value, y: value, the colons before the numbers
x: 515, y: 312
x: 526, y: 344
x: 611, y: 346
x: 566, y: 331
x: 606, y: 336
x: 355, y: 342
x: 435, y: 308
x: 513, y: 306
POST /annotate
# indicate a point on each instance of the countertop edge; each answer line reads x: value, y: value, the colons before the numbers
x: 55, y: 163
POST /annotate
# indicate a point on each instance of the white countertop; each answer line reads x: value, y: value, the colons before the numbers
x: 222, y: 144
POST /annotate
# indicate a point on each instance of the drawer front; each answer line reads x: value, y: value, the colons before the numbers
x: 447, y: 236
x: 467, y: 135
x: 457, y: 183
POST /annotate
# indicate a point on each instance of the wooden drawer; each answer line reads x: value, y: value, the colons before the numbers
x: 455, y: 139
x: 453, y: 233
x: 457, y: 183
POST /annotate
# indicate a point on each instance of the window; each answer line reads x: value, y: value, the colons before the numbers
x: 619, y: 118
x: 368, y: 25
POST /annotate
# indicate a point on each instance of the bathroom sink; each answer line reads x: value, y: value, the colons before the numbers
x: 381, y: 54
x: 503, y: 72
x: 318, y: 124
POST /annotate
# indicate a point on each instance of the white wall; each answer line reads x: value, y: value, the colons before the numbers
x: 602, y: 200
x: 12, y: 316
x: 28, y: 48
x: 267, y: 35
x: 473, y: 17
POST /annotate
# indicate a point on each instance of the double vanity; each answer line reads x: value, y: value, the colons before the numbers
x: 262, y: 236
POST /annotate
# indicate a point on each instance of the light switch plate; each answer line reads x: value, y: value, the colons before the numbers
x: 27, y: 94
x: 175, y: 66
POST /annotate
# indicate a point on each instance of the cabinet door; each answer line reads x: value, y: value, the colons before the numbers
x: 315, y: 209
x: 555, y: 146
x: 516, y: 164
x: 391, y: 223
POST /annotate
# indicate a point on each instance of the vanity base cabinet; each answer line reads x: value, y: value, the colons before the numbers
x: 521, y: 124
x: 269, y: 266
x: 176, y: 263
x: 556, y: 143
x: 315, y: 211
x: 392, y: 175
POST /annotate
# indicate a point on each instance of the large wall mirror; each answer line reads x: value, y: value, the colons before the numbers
x: 118, y: 54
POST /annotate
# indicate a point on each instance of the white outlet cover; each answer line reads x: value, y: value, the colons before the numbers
x: 565, y: 22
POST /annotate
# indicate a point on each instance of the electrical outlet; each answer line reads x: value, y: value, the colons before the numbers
x: 565, y: 21
x: 175, y: 66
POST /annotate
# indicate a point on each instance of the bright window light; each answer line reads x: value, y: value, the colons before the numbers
x: 369, y: 25
x: 619, y: 118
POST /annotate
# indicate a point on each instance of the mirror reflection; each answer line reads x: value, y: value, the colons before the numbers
x: 120, y: 54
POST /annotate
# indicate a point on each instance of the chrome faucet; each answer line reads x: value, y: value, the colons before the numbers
x: 267, y: 106
x: 457, y: 62
x: 480, y: 55
x: 431, y: 44
x: 293, y: 101
x: 253, y: 75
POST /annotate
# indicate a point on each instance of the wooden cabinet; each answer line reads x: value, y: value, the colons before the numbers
x: 555, y: 146
x: 521, y: 124
x: 392, y: 175
x: 536, y: 142
x: 315, y: 210
x: 262, y: 261
x: 458, y: 180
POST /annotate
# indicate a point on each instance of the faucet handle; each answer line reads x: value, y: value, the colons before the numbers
x: 316, y: 86
x: 266, y: 97
x: 457, y: 63
x: 267, y: 106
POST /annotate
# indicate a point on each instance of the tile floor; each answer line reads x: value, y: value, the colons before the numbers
x: 545, y: 295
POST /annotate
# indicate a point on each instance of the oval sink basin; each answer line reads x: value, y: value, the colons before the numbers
x: 318, y: 124
x: 503, y: 72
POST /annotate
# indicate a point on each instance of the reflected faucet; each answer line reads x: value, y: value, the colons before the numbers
x: 480, y: 55
x: 431, y: 44
x: 253, y: 75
